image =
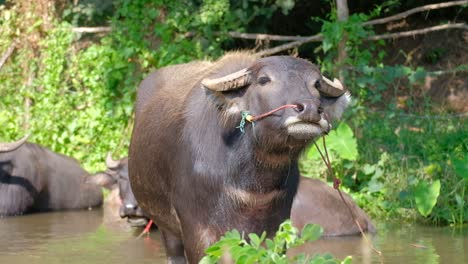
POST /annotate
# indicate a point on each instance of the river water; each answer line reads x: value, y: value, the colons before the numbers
x: 98, y: 237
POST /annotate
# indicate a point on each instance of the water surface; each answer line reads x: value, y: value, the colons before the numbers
x: 99, y: 237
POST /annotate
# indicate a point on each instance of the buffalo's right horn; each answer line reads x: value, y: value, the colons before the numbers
x: 333, y: 89
x: 110, y: 163
x: 228, y: 82
x: 6, y: 147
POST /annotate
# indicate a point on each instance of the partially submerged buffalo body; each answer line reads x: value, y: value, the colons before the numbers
x: 315, y: 203
x: 35, y: 179
x: 196, y: 173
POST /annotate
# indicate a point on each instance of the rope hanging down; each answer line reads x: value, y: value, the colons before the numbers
x: 336, y: 186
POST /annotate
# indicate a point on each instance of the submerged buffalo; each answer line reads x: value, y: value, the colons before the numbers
x: 208, y: 154
x: 35, y: 179
x: 115, y: 177
x: 317, y: 203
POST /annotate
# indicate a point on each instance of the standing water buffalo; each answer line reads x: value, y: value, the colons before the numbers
x: 35, y: 179
x: 198, y: 168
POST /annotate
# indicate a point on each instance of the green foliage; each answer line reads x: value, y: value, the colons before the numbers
x: 78, y: 99
x: 398, y: 153
x: 260, y: 249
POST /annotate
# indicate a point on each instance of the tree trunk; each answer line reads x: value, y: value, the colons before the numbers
x: 343, y: 14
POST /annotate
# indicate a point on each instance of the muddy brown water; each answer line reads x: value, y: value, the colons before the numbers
x: 93, y: 237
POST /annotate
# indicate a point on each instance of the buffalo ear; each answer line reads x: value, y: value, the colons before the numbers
x: 102, y: 179
x: 228, y: 82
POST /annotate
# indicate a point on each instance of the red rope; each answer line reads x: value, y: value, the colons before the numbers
x: 146, y: 230
x: 258, y: 117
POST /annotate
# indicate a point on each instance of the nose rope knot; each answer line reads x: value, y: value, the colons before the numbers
x: 246, y: 116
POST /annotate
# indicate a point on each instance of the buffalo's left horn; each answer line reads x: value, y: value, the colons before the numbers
x: 228, y: 82
x: 6, y: 147
x: 111, y: 163
x: 333, y: 89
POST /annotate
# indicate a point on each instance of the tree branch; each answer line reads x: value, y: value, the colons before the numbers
x: 92, y: 29
x: 260, y: 36
x: 7, y: 53
x: 415, y: 10
x: 319, y: 37
x: 418, y: 31
x: 290, y: 45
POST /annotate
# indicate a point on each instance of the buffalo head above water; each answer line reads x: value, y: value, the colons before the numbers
x: 269, y: 83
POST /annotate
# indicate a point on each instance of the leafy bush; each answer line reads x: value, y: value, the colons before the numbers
x: 234, y: 247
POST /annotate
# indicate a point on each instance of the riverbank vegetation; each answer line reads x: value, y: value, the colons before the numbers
x: 69, y: 70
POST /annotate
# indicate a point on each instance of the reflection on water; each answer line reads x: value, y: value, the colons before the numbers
x: 99, y: 237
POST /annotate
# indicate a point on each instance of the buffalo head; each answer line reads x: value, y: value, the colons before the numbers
x: 271, y: 82
x: 117, y: 174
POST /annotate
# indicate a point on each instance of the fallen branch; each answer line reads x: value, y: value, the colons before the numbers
x: 319, y: 37
x: 261, y: 36
x: 92, y: 29
x: 7, y: 53
x: 415, y: 10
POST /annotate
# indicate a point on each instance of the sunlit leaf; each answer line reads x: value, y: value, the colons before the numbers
x: 426, y: 196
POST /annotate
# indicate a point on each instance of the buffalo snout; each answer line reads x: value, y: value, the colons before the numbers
x: 134, y: 214
x: 309, y: 110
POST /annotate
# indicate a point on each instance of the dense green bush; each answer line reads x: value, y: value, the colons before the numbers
x: 407, y: 162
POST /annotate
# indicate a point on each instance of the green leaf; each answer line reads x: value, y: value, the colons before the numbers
x: 254, y: 240
x: 311, y: 232
x: 426, y: 196
x: 461, y: 167
x: 340, y: 141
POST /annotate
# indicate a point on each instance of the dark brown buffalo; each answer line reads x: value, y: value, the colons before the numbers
x: 35, y: 179
x: 196, y: 174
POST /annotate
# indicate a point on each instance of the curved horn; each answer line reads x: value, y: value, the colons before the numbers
x: 7, y: 147
x: 228, y: 82
x: 333, y: 89
x: 110, y: 163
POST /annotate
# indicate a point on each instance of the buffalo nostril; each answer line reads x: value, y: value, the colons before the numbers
x: 300, y: 107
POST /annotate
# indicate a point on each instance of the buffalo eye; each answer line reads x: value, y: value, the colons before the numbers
x: 317, y: 84
x: 264, y: 80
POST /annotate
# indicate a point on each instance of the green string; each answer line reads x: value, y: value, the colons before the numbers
x: 244, y: 115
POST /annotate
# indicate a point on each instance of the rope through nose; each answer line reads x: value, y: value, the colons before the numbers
x: 246, y: 116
